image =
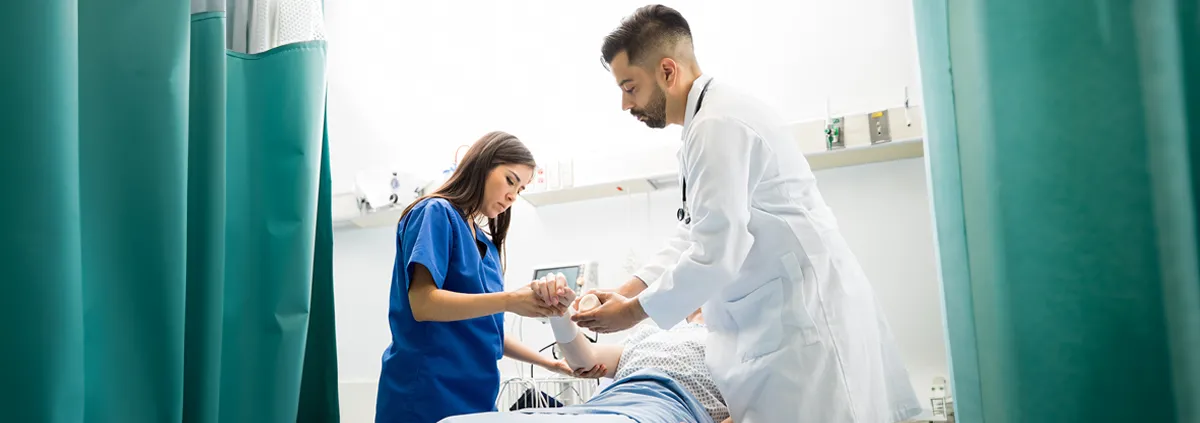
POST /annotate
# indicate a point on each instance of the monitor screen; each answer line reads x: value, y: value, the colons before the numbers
x: 570, y: 272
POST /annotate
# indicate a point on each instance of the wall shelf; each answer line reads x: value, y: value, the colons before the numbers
x: 346, y: 214
x: 850, y: 156
x: 854, y: 156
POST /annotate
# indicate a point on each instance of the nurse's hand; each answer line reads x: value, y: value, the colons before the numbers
x: 553, y: 290
x: 595, y: 372
x: 525, y: 302
x: 615, y: 313
x: 562, y: 367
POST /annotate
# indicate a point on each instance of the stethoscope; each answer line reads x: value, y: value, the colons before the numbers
x: 683, y: 214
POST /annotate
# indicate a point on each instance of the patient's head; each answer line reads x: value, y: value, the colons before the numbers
x: 696, y: 317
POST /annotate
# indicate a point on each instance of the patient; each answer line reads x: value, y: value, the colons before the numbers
x: 660, y: 376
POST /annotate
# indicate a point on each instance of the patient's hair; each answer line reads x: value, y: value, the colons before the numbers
x: 650, y: 34
x: 464, y: 190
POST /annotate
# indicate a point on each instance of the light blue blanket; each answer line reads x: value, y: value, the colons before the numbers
x: 647, y: 396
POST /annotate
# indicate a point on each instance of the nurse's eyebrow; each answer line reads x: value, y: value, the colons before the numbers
x: 514, y: 174
x: 624, y: 81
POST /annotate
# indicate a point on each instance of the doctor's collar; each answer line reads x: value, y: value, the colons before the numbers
x: 698, y: 87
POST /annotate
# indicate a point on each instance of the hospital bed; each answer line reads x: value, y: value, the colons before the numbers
x: 546, y: 392
x: 648, y: 395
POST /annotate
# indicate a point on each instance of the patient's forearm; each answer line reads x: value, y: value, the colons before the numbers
x: 580, y: 352
x: 575, y: 347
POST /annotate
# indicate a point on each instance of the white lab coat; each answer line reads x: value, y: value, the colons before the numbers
x: 795, y: 331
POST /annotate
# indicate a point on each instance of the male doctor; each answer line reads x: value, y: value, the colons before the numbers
x: 795, y: 332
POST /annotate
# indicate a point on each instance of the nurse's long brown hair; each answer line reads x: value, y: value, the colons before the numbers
x: 464, y: 190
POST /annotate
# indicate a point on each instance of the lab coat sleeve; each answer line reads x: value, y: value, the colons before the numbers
x: 720, y: 152
x: 666, y: 258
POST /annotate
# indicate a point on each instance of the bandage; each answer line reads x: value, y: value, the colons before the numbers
x: 564, y: 330
x: 588, y: 302
x: 578, y: 354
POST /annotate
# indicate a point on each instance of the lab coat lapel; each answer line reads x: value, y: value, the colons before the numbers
x: 693, y: 98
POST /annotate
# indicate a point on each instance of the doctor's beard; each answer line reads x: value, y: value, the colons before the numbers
x: 654, y: 114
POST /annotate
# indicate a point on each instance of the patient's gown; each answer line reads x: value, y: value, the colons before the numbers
x: 679, y: 353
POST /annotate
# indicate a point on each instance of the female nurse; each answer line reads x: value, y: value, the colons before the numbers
x: 447, y: 295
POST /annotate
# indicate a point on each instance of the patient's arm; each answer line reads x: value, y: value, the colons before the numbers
x: 580, y: 353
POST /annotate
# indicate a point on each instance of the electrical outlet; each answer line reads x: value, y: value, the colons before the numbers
x: 878, y: 125
x: 835, y: 133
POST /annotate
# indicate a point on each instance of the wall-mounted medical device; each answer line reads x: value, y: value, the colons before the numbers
x: 835, y: 129
x: 573, y: 272
x: 382, y: 190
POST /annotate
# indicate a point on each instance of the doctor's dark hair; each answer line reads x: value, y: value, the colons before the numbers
x: 465, y: 188
x: 648, y: 34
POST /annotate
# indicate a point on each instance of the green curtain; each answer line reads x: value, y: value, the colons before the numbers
x: 1064, y: 159
x: 170, y: 257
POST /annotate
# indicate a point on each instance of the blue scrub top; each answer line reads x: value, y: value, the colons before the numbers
x: 434, y: 370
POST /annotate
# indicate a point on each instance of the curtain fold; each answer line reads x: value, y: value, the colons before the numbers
x: 133, y: 151
x: 274, y: 140
x: 170, y: 257
x: 207, y: 181
x: 41, y: 288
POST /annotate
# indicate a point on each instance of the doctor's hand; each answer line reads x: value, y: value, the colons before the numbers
x: 525, y: 302
x: 615, y: 313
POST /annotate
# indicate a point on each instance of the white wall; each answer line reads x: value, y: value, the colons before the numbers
x: 410, y: 81
x: 883, y: 210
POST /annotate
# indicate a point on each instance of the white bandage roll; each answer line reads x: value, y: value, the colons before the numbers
x: 588, y: 302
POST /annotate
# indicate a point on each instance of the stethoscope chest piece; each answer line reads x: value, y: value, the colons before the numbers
x: 683, y: 215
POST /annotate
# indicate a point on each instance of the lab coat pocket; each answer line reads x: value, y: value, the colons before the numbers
x: 758, y: 319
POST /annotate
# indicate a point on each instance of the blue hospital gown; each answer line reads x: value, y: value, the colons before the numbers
x: 433, y: 370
